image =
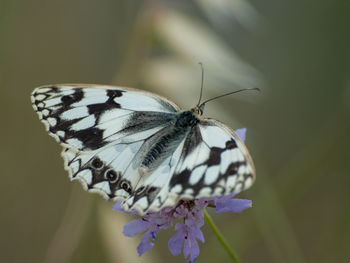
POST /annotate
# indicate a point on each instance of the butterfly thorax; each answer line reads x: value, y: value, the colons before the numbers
x: 186, y: 119
x: 165, y: 144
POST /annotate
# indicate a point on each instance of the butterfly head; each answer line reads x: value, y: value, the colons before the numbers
x: 198, y: 110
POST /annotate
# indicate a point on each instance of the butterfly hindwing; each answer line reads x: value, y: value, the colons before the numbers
x: 214, y: 162
x: 104, y: 171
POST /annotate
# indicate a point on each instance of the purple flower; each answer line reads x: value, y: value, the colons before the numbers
x: 229, y: 204
x: 189, y: 231
x: 192, y: 219
x: 241, y: 133
x: 185, y: 239
x: 151, y: 224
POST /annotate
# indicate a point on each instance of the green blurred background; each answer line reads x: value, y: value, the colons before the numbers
x: 298, y: 126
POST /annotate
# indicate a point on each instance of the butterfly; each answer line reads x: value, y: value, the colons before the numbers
x: 141, y: 148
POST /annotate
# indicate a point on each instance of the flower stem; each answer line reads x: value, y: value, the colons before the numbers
x: 220, y: 237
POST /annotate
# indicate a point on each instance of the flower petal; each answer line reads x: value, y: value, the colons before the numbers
x: 118, y: 206
x: 241, y: 133
x: 197, y: 233
x: 181, y: 211
x: 145, y: 243
x: 195, y: 218
x: 232, y: 205
x: 191, y: 249
x: 175, y: 243
x: 135, y: 227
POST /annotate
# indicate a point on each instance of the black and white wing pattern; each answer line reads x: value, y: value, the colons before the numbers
x: 88, y: 117
x: 210, y: 161
x: 141, y: 148
x: 214, y: 162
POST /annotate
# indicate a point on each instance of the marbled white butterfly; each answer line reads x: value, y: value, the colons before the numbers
x: 141, y: 148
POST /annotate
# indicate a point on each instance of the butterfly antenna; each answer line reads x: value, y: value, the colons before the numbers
x: 200, y: 95
x: 228, y: 94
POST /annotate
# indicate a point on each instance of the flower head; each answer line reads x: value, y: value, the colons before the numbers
x: 151, y: 224
x: 188, y: 232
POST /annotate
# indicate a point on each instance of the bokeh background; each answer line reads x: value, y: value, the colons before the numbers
x: 298, y: 126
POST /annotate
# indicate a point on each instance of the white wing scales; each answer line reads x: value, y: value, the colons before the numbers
x: 107, y: 131
x: 217, y: 164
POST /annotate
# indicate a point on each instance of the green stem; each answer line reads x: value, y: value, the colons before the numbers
x: 220, y: 237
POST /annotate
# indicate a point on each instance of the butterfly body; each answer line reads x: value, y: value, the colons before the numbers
x: 141, y: 148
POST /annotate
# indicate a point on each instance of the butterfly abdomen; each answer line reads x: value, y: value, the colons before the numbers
x: 167, y: 143
x: 161, y: 147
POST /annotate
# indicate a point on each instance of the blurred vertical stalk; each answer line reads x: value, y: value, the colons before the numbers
x: 138, y: 46
x: 69, y: 232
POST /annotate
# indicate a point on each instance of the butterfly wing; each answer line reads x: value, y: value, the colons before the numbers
x: 88, y: 117
x: 210, y: 161
x: 112, y: 170
x: 214, y: 162
x: 102, y: 129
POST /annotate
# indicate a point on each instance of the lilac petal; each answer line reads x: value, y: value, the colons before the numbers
x: 160, y: 221
x: 201, y: 203
x: 221, y: 199
x: 175, y: 243
x: 135, y: 227
x: 145, y: 245
x: 233, y: 205
x: 118, y: 206
x: 197, y: 233
x: 195, y: 218
x: 241, y: 133
x: 181, y: 211
x: 191, y: 249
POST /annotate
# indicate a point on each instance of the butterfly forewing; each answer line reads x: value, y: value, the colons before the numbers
x: 140, y: 147
x: 86, y: 117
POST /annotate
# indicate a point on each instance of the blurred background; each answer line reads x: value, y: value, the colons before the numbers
x: 297, y: 52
